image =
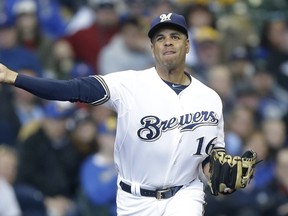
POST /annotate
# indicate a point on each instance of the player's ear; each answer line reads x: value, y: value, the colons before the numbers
x: 187, y: 45
x: 152, y: 49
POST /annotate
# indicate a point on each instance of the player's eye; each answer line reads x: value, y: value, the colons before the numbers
x: 159, y: 38
x: 175, y: 37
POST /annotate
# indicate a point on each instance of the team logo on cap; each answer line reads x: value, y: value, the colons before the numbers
x: 165, y: 17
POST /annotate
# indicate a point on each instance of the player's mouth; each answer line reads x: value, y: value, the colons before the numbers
x: 169, y: 52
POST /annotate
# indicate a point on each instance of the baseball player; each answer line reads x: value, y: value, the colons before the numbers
x: 168, y: 123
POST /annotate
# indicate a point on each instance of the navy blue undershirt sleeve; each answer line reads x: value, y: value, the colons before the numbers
x: 85, y: 89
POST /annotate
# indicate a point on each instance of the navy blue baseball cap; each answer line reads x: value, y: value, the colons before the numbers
x: 169, y: 19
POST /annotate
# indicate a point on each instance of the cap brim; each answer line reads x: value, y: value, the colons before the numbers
x: 153, y: 30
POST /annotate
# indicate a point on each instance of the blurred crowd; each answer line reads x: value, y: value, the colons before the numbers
x: 56, y: 158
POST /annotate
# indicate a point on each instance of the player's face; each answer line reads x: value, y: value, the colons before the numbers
x: 169, y: 48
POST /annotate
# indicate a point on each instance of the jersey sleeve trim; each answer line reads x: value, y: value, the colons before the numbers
x: 106, y: 96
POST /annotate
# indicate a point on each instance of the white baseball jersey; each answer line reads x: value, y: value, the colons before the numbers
x: 162, y: 137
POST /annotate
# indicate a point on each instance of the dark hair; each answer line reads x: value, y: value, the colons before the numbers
x: 199, y: 7
x: 264, y: 38
x: 129, y: 21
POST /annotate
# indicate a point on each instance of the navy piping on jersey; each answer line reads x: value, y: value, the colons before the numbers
x: 105, y: 97
x: 178, y: 87
x: 91, y: 89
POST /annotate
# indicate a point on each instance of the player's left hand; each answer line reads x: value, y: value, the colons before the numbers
x: 229, y: 173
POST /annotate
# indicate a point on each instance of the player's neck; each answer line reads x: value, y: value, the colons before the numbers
x: 177, y: 76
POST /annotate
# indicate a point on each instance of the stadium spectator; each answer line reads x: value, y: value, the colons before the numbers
x: 266, y: 168
x: 51, y: 19
x: 277, y: 192
x: 219, y: 78
x: 98, y: 174
x: 208, y: 51
x: 274, y: 49
x: 87, y: 43
x: 248, y: 97
x: 241, y: 67
x: 13, y: 54
x: 275, y: 133
x: 22, y: 109
x: 129, y: 49
x: 100, y: 113
x: 29, y: 32
x: 65, y: 63
x: 8, y: 168
x: 197, y: 16
x: 240, y: 125
x: 137, y: 9
x: 83, y: 133
x: 49, y: 153
x: 269, y: 104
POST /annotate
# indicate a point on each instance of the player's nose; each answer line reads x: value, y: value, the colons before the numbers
x: 168, y: 41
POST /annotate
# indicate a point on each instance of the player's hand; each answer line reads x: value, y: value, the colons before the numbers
x: 6, y: 75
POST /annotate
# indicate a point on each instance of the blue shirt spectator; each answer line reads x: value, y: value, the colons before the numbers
x: 98, y: 176
x: 49, y: 11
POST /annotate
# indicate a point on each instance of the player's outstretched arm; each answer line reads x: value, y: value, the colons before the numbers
x: 6, y: 75
x: 91, y: 89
